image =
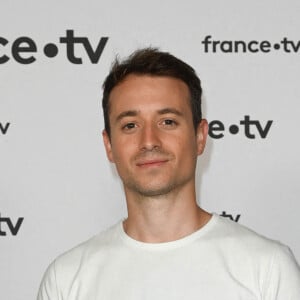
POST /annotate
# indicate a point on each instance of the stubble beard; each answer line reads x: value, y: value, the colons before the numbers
x: 160, y: 189
x: 144, y: 190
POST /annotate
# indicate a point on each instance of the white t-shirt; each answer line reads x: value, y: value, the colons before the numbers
x: 222, y: 260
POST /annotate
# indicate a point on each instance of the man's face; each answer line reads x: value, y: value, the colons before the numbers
x: 153, y: 141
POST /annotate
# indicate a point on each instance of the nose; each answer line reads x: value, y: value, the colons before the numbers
x: 150, y: 138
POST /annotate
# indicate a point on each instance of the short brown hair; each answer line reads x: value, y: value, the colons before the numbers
x: 151, y: 61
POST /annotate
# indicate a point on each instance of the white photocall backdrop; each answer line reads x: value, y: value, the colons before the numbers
x: 54, y: 172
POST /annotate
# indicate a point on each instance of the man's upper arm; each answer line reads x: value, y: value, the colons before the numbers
x: 283, y: 281
x: 48, y: 288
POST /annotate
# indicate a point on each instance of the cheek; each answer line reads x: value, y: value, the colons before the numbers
x: 189, y: 150
x: 123, y: 150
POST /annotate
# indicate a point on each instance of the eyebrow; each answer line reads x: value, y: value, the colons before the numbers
x: 133, y: 113
x: 169, y: 110
x: 127, y: 113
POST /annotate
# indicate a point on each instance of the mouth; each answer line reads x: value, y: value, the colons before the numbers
x: 151, y: 163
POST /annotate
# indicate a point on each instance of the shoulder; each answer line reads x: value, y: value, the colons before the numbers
x: 100, y: 242
x: 241, y: 239
x: 98, y: 246
x: 239, y: 243
x: 248, y: 253
x: 236, y: 235
x: 62, y: 271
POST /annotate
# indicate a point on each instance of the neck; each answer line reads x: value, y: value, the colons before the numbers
x: 163, y: 218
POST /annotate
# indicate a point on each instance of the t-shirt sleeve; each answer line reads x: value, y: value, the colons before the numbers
x: 48, y: 288
x: 283, y: 280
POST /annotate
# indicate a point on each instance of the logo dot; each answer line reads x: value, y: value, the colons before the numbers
x: 233, y: 129
x: 276, y: 46
x: 50, y: 50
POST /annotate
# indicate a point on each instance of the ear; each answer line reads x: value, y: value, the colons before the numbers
x: 107, y: 145
x: 202, y: 132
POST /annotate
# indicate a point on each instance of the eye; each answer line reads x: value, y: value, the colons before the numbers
x: 129, y: 126
x: 169, y: 123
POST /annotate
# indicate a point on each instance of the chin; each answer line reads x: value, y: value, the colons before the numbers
x: 152, y: 191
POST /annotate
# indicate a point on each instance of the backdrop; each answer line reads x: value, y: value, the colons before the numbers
x: 57, y: 188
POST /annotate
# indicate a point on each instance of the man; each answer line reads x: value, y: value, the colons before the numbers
x: 168, y: 247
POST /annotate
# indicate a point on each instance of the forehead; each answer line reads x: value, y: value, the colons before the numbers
x: 146, y: 92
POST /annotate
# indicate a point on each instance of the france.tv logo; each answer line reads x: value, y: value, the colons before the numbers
x: 24, y: 48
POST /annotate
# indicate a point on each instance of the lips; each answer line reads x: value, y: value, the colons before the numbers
x: 151, y: 163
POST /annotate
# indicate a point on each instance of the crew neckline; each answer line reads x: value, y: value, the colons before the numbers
x: 167, y: 245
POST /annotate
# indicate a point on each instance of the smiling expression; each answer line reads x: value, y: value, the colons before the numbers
x: 153, y: 141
